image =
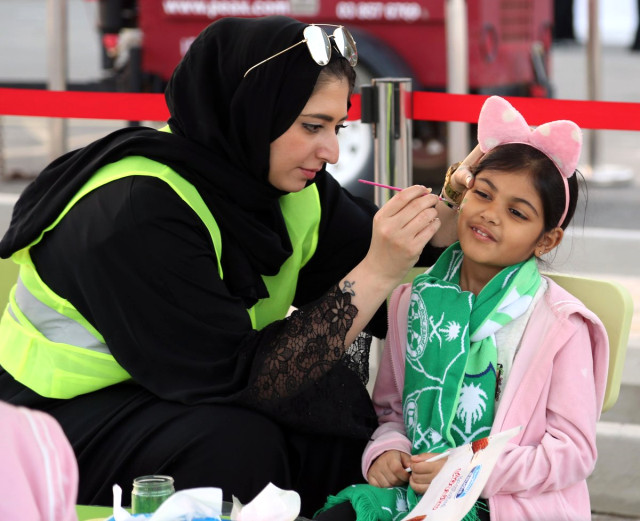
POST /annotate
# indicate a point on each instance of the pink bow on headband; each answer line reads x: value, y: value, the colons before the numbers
x: 499, y: 124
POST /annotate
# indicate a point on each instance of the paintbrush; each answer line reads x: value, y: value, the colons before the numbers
x: 445, y: 201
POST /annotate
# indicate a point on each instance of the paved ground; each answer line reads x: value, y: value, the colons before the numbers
x: 609, y: 517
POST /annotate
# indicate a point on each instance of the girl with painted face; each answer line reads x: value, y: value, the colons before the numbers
x: 482, y: 342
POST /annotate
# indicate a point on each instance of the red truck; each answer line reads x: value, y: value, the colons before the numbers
x: 509, y: 42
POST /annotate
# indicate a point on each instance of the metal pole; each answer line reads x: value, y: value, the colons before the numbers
x: 2, y: 166
x: 594, y: 75
x: 596, y: 172
x: 393, y: 159
x: 388, y: 104
x: 457, y: 39
x: 57, y: 70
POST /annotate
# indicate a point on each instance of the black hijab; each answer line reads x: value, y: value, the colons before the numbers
x: 222, y: 125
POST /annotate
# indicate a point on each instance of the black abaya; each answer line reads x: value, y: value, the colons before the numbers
x: 124, y: 431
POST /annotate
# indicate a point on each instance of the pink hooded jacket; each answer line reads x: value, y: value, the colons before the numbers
x: 555, y: 391
x: 38, y: 469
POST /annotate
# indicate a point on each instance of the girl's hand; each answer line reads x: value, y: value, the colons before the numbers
x: 423, y: 473
x: 388, y: 469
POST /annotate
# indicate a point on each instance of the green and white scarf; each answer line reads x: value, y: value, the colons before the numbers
x: 450, y: 368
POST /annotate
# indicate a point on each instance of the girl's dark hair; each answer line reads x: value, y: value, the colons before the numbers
x: 338, y: 67
x: 546, y: 178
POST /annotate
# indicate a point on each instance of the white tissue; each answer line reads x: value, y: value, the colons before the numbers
x: 271, y: 504
x: 184, y: 505
x: 191, y: 503
x: 119, y: 513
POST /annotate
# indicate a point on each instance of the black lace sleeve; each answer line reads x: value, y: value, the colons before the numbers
x: 306, y: 377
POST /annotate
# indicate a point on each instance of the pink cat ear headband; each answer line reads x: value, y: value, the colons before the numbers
x: 499, y: 124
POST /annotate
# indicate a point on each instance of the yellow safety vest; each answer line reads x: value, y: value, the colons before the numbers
x: 47, y: 345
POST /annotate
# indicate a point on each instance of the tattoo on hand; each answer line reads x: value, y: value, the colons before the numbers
x: 348, y: 287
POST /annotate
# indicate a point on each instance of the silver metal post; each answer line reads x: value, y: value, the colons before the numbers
x: 2, y: 165
x: 457, y: 38
x: 392, y: 104
x: 594, y: 74
x: 393, y: 159
x: 597, y: 172
x: 57, y: 70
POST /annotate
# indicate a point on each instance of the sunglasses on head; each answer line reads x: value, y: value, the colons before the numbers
x: 319, y: 45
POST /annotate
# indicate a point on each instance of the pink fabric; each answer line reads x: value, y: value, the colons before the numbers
x: 38, y: 469
x: 500, y: 123
x: 561, y: 141
x: 555, y: 391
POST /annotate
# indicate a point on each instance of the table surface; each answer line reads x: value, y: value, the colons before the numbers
x: 96, y: 513
x: 87, y: 513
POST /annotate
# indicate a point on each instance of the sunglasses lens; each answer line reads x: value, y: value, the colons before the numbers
x: 318, y: 44
x: 346, y: 45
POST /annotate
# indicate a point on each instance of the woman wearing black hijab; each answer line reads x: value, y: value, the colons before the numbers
x: 159, y: 264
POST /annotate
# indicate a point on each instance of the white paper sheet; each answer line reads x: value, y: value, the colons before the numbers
x: 458, y: 484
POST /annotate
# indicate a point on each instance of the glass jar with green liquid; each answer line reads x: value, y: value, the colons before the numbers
x: 149, y: 492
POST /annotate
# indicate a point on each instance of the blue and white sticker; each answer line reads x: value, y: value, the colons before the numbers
x: 468, y: 482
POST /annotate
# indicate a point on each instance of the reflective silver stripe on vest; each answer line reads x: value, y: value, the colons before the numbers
x: 53, y: 325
